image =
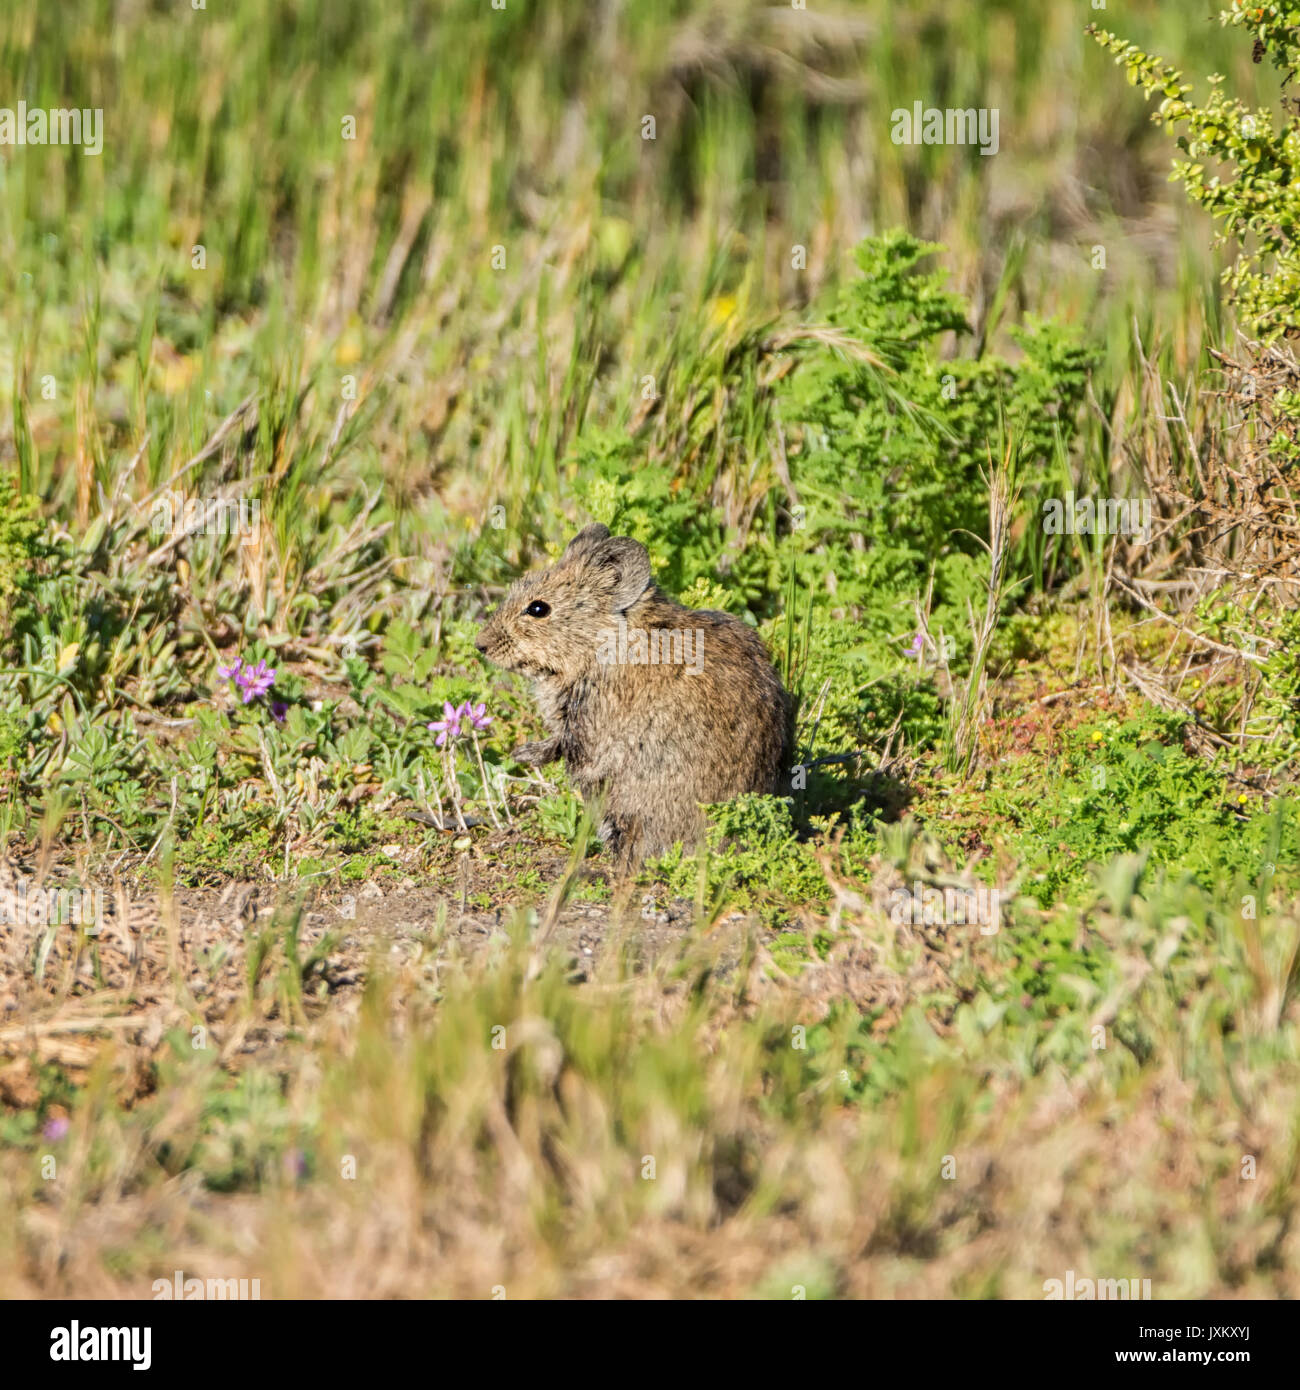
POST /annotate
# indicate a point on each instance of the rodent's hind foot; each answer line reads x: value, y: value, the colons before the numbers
x: 620, y: 849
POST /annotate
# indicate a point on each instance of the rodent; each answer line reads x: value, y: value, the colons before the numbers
x: 708, y: 721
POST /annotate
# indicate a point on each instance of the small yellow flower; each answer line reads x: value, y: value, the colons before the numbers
x: 177, y: 374
x: 349, y: 346
x: 1242, y: 798
x: 722, y: 309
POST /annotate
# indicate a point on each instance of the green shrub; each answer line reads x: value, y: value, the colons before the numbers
x: 890, y: 465
x: 1240, y: 164
x: 1259, y: 204
x: 22, y: 546
x: 1131, y: 788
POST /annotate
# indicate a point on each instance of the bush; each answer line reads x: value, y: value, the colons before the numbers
x: 1262, y: 200
x: 890, y: 466
x: 22, y: 546
x: 1239, y: 508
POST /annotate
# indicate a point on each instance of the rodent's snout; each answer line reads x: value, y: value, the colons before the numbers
x: 481, y: 643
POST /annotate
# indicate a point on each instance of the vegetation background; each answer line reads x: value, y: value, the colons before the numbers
x: 421, y: 282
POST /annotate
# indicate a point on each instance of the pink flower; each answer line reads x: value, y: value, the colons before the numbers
x: 460, y: 720
x: 255, y: 680
x: 448, y: 726
x: 475, y: 714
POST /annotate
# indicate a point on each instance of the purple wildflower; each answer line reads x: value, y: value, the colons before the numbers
x: 55, y: 1128
x: 448, y: 726
x: 252, y: 681
x: 255, y: 680
x: 475, y: 715
x: 918, y: 645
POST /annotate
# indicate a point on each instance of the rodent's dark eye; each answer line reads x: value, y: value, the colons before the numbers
x: 537, y: 609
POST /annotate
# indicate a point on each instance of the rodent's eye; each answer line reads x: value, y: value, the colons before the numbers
x: 537, y: 609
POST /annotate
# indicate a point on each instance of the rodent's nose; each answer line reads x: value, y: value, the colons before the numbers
x: 480, y: 643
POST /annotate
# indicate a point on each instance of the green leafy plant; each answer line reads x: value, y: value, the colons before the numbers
x: 23, y: 545
x: 1259, y: 204
x: 1240, y: 164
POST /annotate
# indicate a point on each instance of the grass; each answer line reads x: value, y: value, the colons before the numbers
x: 364, y: 1021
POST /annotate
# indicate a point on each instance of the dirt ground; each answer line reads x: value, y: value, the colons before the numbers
x: 257, y: 963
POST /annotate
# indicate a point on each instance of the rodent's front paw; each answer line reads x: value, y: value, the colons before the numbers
x: 537, y: 754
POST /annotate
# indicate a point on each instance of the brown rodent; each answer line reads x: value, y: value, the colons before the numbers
x: 705, y: 721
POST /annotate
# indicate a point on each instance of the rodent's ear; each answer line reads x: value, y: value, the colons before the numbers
x: 586, y: 540
x: 629, y: 562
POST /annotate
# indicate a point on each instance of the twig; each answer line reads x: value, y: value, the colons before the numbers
x: 1186, y: 632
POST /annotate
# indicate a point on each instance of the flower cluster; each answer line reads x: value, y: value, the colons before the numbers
x: 252, y: 681
x: 459, y: 720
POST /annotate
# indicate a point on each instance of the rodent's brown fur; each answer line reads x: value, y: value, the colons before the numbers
x: 653, y: 740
